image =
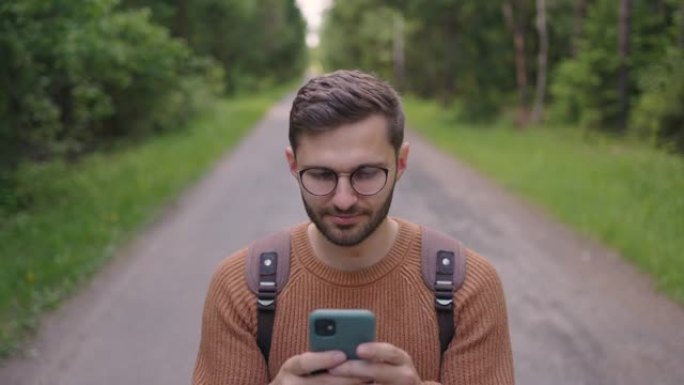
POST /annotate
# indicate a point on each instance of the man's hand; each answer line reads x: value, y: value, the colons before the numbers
x: 302, y: 369
x: 379, y: 363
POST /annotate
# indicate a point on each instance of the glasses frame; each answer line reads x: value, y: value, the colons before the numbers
x: 301, y: 172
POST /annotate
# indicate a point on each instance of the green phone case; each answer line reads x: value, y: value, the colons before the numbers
x: 351, y: 328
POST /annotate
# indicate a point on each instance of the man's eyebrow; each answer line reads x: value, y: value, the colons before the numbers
x: 371, y: 164
x: 376, y: 164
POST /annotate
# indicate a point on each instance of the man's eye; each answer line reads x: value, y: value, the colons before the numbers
x: 366, y: 173
x: 323, y: 175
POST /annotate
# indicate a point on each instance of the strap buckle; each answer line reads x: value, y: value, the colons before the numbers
x: 266, y: 296
x: 267, y: 290
x: 444, y: 285
x: 444, y: 295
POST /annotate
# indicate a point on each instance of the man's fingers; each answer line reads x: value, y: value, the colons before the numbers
x: 309, y: 362
x: 375, y: 372
x: 383, y: 352
x: 357, y: 368
x: 328, y: 379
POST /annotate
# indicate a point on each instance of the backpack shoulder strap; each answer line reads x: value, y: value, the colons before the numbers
x: 443, y: 267
x: 267, y: 271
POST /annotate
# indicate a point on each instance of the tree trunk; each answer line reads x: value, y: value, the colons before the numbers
x: 542, y: 58
x: 623, y: 53
x: 578, y: 27
x: 399, y: 56
x: 448, y: 71
x: 181, y: 20
x: 520, y: 67
x: 680, y: 37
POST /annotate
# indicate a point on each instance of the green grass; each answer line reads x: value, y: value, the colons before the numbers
x: 627, y: 195
x: 81, y: 213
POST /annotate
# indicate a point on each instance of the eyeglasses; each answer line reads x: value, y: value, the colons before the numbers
x: 365, y: 180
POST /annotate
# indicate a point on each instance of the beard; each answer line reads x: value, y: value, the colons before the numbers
x: 348, y: 236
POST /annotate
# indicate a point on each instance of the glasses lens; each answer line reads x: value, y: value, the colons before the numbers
x: 369, y: 180
x: 364, y: 180
x: 319, y: 181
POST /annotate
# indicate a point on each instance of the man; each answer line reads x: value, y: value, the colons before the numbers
x: 347, y: 152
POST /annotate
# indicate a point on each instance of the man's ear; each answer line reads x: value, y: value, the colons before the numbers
x: 402, y: 159
x: 291, y: 160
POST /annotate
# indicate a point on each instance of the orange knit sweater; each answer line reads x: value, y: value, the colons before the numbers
x: 393, y: 289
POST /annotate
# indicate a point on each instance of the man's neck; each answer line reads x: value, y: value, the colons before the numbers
x: 361, y: 256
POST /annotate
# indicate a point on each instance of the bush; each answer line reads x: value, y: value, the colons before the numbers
x: 77, y: 73
x: 258, y: 43
x: 585, y: 88
x: 658, y: 114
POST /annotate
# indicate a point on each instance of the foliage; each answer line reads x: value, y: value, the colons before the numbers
x: 659, y: 113
x: 585, y: 88
x: 80, y: 213
x: 76, y: 73
x: 461, y: 53
x: 474, y: 66
x: 358, y: 36
x: 79, y: 76
x: 453, y: 49
x: 257, y: 42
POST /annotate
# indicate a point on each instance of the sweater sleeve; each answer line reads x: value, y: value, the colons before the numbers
x: 480, y: 353
x: 228, y: 353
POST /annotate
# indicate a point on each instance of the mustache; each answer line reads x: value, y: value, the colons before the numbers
x: 350, y: 212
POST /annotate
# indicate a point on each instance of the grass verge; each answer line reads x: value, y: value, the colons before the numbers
x: 627, y: 195
x: 81, y: 213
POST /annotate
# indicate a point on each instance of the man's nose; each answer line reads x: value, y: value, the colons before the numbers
x: 345, y: 197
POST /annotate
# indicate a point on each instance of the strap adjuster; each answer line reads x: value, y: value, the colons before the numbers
x: 444, y: 302
x: 266, y: 300
x: 444, y: 295
x: 268, y: 286
x: 266, y: 304
x: 444, y: 285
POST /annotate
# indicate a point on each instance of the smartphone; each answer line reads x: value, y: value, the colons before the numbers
x: 340, y: 329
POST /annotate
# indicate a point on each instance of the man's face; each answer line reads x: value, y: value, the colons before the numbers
x: 345, y: 217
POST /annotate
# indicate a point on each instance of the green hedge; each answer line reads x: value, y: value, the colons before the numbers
x: 74, y: 74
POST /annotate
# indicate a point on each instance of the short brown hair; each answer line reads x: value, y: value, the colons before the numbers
x: 342, y: 97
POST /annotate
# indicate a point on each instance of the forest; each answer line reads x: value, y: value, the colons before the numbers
x: 613, y: 66
x: 80, y: 76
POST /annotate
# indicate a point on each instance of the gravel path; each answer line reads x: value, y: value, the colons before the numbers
x: 578, y: 314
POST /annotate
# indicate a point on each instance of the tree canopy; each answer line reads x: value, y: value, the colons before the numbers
x: 76, y: 74
x: 612, y: 65
x: 79, y: 76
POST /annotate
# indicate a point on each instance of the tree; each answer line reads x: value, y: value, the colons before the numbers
x: 360, y: 34
x: 596, y: 88
x: 658, y: 115
x: 399, y: 53
x: 74, y: 75
x: 623, y: 54
x: 257, y: 42
x: 586, y: 55
x: 580, y: 14
x: 520, y: 67
x: 542, y: 62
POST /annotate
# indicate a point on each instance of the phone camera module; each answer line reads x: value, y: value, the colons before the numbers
x: 325, y: 327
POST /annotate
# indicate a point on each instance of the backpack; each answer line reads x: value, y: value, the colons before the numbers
x: 268, y: 269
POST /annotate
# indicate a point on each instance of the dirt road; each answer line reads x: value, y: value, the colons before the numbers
x: 578, y: 314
